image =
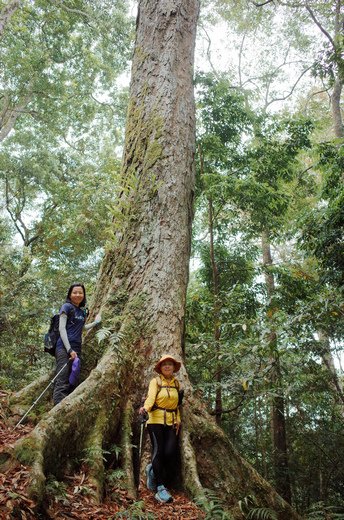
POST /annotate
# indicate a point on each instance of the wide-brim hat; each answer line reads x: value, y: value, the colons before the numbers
x: 177, y: 364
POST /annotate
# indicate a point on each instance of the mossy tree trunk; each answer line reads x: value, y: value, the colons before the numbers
x: 142, y: 285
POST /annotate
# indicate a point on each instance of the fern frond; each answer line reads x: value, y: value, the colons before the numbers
x: 261, y: 513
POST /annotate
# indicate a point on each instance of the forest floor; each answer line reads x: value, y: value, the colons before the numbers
x: 72, y: 498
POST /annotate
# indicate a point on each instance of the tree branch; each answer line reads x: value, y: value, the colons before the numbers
x: 271, y: 76
x: 323, y: 30
x: 292, y: 90
x: 208, y: 52
x: 6, y: 104
x: 311, y: 12
x: 16, y: 217
x: 10, y: 212
x: 33, y: 239
x: 9, y: 117
x: 320, y: 91
x: 241, y: 50
x: 307, y: 169
x: 108, y: 105
x: 220, y: 412
x: 71, y: 145
x: 263, y: 3
x: 61, y: 4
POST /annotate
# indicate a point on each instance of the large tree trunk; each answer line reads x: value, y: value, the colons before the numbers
x: 142, y: 286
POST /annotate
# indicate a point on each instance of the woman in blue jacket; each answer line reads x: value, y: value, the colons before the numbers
x: 73, y: 315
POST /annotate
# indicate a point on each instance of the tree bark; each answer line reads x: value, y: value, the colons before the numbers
x: 142, y: 284
x: 278, y: 425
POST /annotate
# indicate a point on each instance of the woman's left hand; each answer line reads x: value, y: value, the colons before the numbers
x: 98, y: 318
x: 177, y: 427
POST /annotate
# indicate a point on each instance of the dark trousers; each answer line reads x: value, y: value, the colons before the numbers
x: 61, y: 386
x: 164, y: 452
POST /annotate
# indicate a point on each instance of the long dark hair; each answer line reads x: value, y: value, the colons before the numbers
x: 83, y: 303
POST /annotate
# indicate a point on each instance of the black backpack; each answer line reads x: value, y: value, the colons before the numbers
x: 53, y: 334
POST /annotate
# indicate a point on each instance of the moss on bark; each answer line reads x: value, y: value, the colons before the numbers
x: 94, y: 456
x: 127, y: 450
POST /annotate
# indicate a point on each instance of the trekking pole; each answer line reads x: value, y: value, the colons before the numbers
x: 38, y: 398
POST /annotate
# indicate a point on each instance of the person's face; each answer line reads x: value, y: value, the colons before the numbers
x: 77, y: 295
x: 167, y: 368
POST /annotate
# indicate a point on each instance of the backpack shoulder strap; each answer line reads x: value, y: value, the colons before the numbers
x: 71, y: 314
x: 158, y: 384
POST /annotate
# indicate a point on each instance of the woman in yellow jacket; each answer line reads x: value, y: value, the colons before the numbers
x: 163, y: 425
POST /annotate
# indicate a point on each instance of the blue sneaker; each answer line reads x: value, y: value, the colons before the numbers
x: 163, y: 495
x: 151, y: 483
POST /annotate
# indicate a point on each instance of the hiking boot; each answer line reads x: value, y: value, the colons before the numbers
x: 163, y: 495
x: 151, y: 483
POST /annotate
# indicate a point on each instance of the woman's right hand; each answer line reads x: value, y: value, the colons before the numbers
x: 142, y: 410
x: 73, y: 355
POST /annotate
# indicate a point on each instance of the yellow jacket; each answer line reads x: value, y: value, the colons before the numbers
x: 166, y: 399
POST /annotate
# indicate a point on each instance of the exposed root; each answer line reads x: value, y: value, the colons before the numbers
x: 19, y: 402
x: 191, y: 481
x: 69, y: 428
x: 127, y: 450
x: 31, y: 391
x: 221, y: 469
x: 95, y: 459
